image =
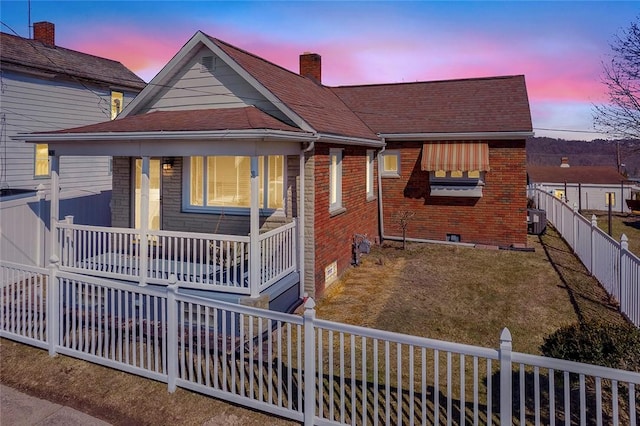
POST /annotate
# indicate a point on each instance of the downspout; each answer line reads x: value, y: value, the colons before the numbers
x: 380, y: 215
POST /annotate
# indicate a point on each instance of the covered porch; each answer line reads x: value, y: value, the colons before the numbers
x: 262, y: 253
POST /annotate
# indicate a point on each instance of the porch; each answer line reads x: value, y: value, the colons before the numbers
x: 230, y: 264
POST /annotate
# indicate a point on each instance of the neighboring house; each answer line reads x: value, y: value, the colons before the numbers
x: 44, y: 88
x: 588, y: 187
x: 224, y: 142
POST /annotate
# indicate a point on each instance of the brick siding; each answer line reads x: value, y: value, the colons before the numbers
x: 334, y: 233
x: 497, y: 218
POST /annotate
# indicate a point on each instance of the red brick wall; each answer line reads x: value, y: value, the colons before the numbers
x: 334, y: 233
x: 497, y: 218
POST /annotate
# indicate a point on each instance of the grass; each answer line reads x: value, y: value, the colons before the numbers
x: 468, y: 295
x: 444, y: 292
x: 620, y: 224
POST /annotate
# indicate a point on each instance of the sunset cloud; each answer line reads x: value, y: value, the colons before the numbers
x: 558, y: 46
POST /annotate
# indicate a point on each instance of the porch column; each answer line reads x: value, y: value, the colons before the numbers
x: 54, y: 211
x: 301, y: 213
x: 254, y: 232
x: 144, y: 221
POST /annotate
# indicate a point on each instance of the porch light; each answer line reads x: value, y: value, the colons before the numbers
x: 167, y: 163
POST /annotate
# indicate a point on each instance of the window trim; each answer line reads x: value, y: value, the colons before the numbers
x: 187, y: 207
x: 35, y: 162
x: 613, y: 199
x: 389, y: 173
x: 369, y: 179
x: 116, y: 96
x: 335, y: 207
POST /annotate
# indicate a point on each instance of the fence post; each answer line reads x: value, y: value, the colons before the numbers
x: 309, y: 362
x: 172, y: 337
x: 505, y: 377
x: 624, y: 247
x: 70, y: 244
x: 575, y: 227
x: 53, y: 306
x: 594, y: 224
x: 40, y: 231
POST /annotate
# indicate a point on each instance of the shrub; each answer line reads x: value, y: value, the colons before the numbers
x: 615, y: 346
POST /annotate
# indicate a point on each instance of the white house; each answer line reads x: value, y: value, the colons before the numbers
x: 589, y: 187
x: 44, y: 88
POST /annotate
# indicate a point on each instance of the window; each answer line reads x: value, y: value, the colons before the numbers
x: 335, y: 179
x: 456, y: 183
x: 41, y: 160
x: 456, y: 169
x: 613, y: 198
x: 390, y: 163
x: 559, y: 193
x: 369, y: 172
x: 117, y: 100
x: 225, y: 181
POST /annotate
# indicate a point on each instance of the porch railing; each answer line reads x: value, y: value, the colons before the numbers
x: 301, y: 367
x: 201, y: 261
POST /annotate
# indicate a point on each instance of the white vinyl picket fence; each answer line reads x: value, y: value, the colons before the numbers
x: 300, y: 367
x: 609, y: 261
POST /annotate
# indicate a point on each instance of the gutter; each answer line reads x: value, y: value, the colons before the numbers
x: 456, y: 136
x: 264, y: 134
x: 349, y: 140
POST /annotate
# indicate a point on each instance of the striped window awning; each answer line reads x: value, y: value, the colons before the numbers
x: 450, y: 156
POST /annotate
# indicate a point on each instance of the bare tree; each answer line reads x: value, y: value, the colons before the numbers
x: 620, y: 117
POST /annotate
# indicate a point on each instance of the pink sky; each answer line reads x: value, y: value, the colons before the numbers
x: 558, y: 46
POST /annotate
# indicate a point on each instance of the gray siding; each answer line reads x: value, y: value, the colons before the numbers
x: 30, y: 104
x: 174, y: 219
x: 191, y: 88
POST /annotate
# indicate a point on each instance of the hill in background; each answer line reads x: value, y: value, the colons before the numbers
x: 549, y: 151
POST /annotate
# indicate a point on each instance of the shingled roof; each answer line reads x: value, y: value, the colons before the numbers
x: 27, y: 55
x: 316, y: 104
x: 246, y: 118
x: 598, y: 175
x: 495, y: 104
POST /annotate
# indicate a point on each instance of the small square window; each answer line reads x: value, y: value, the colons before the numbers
x: 390, y: 163
x: 456, y: 173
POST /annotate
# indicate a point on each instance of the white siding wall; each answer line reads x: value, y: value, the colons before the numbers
x: 593, y: 196
x: 30, y: 104
x: 221, y: 87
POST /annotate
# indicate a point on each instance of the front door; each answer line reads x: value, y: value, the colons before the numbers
x: 154, y: 193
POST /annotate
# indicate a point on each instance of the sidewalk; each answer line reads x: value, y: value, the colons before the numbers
x: 19, y: 409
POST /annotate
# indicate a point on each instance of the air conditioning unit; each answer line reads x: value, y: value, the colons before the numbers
x: 536, y: 221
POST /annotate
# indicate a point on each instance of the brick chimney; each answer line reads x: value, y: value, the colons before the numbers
x: 564, y: 162
x: 311, y: 66
x: 45, y: 32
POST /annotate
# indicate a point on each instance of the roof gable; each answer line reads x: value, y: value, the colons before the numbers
x: 32, y: 56
x: 495, y: 104
x: 599, y: 175
x: 318, y: 105
x: 304, y: 103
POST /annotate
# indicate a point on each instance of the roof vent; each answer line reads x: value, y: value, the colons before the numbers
x: 207, y: 64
